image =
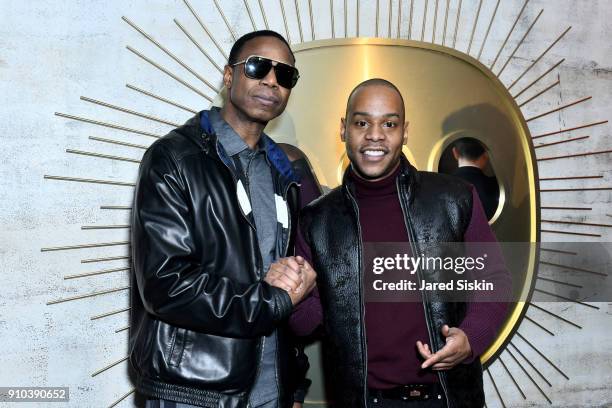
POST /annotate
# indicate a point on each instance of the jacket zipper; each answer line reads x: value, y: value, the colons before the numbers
x: 204, y: 135
x: 409, y: 230
x: 260, y: 262
x: 263, y: 339
x: 289, y: 226
x: 364, y: 353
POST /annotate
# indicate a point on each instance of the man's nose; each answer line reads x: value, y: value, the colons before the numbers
x: 375, y: 133
x: 270, y: 78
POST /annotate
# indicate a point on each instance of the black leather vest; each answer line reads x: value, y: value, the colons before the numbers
x: 436, y: 208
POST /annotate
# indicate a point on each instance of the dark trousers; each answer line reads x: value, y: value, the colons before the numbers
x: 393, y: 403
x: 436, y: 399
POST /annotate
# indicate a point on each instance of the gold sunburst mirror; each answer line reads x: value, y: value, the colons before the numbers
x: 448, y: 94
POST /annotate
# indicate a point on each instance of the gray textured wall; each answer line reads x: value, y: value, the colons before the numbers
x: 53, y: 52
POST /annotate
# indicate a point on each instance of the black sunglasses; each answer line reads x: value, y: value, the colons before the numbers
x: 257, y: 67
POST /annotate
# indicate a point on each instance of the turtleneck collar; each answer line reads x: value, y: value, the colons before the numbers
x: 383, y: 187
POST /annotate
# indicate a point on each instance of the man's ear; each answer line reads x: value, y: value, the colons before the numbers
x: 405, y: 141
x: 455, y: 153
x: 484, y: 159
x: 228, y: 74
x: 343, y: 129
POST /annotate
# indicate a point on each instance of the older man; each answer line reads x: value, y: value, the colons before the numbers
x: 214, y: 219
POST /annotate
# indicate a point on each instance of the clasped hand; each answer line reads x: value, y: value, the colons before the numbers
x: 293, y: 274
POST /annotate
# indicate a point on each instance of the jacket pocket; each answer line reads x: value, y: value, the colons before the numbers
x: 177, y: 347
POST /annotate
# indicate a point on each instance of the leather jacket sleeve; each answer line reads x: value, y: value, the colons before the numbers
x: 174, y: 285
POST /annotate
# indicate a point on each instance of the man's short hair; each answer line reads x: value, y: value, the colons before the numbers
x: 240, y: 43
x: 371, y: 82
x: 469, y: 148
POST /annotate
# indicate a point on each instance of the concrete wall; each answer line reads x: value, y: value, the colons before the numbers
x: 53, y: 52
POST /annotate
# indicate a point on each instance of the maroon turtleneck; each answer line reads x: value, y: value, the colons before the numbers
x: 392, y: 328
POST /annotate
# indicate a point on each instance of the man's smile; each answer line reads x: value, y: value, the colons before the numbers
x: 374, y: 154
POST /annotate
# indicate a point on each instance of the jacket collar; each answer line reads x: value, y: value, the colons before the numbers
x: 227, y: 136
x: 276, y: 156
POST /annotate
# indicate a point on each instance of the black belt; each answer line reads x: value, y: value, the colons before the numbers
x: 410, y: 392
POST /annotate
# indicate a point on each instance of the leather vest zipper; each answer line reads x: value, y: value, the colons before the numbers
x: 279, y: 389
x: 364, y: 354
x: 412, y: 238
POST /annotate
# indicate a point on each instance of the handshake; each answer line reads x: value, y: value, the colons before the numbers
x: 293, y: 274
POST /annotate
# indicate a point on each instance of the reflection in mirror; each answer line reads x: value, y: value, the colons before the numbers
x: 468, y: 159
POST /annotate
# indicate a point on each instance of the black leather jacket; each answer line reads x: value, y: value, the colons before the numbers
x: 437, y: 208
x: 200, y: 308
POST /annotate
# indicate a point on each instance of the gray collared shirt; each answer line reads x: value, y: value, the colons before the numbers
x: 258, y: 172
x: 260, y: 185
